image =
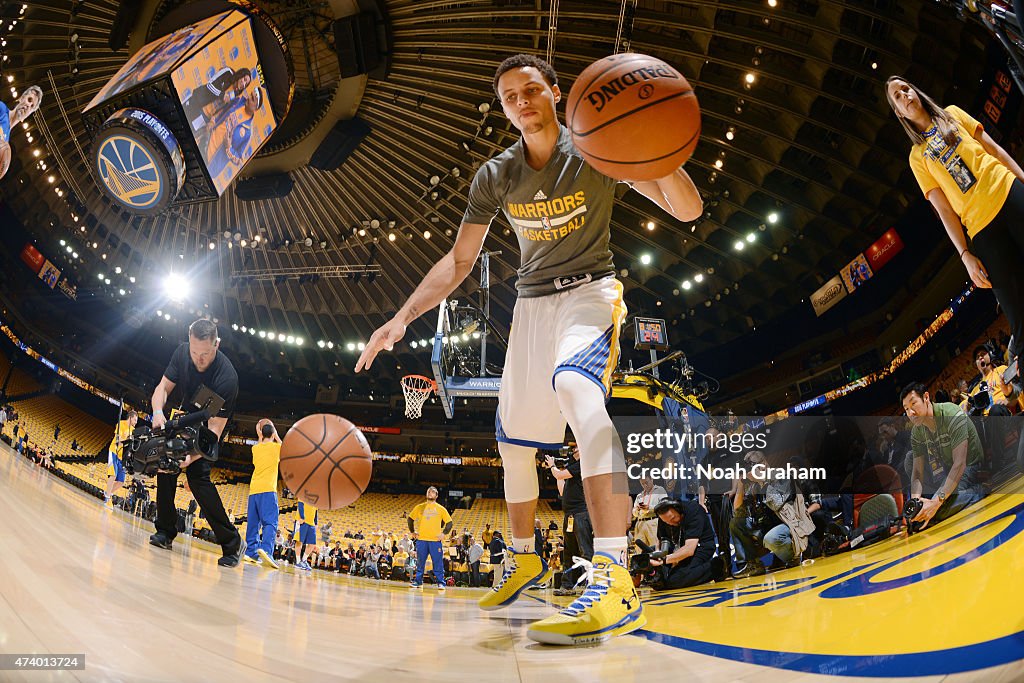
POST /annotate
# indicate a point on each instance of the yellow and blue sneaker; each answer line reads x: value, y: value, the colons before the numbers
x: 609, y: 607
x: 522, y: 570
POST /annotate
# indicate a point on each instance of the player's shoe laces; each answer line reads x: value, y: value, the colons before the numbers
x: 608, y: 607
x: 522, y: 570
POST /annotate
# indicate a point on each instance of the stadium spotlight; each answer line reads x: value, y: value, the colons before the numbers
x: 176, y: 287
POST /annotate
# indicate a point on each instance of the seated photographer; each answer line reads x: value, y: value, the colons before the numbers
x: 943, y: 434
x: 775, y: 516
x: 684, y: 530
x: 195, y: 363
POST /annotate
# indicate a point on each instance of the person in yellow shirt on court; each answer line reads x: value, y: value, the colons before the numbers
x: 261, y: 525
x: 115, y: 467
x: 429, y: 522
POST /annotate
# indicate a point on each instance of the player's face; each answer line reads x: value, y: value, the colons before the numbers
x: 527, y: 99
x: 202, y: 352
x: 29, y: 100
x: 432, y: 494
x: 917, y: 407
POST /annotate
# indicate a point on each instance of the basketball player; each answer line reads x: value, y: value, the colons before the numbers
x: 263, y: 512
x: 115, y: 454
x: 197, y: 362
x: 425, y: 523
x: 307, y: 535
x: 27, y: 104
x: 564, y: 340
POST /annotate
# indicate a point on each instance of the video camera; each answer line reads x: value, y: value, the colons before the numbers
x: 163, y: 450
x: 979, y: 402
x: 641, y: 562
x: 910, y: 510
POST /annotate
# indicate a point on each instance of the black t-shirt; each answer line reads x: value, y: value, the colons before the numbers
x: 573, y: 499
x: 694, y: 524
x: 220, y: 378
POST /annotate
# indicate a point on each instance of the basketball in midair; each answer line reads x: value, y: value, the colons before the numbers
x: 326, y: 461
x: 633, y: 117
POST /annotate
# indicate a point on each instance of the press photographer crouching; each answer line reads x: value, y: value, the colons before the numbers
x: 685, y: 534
x: 197, y: 364
x: 773, y: 515
x: 943, y: 438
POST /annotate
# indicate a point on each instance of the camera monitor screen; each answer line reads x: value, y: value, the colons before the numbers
x: 205, y: 399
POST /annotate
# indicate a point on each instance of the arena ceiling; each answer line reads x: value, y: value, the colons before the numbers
x: 804, y: 167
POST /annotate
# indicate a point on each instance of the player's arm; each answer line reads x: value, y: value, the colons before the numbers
x: 159, y: 399
x: 443, y: 278
x: 675, y: 193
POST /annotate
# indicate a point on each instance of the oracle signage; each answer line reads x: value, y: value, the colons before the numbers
x: 882, y: 251
x: 830, y: 293
x: 32, y: 258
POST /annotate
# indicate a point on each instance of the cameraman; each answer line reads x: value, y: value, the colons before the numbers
x: 990, y: 381
x: 683, y: 528
x: 196, y: 363
x: 576, y: 527
x: 942, y: 433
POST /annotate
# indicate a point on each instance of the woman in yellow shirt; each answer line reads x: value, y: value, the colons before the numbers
x: 973, y: 185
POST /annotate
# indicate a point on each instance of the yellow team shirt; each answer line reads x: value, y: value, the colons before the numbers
x: 430, y: 518
x: 122, y: 432
x: 307, y: 513
x: 265, y: 459
x: 975, y: 183
x: 994, y: 377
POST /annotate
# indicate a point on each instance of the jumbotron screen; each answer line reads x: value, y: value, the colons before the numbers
x: 156, y: 58
x: 224, y: 95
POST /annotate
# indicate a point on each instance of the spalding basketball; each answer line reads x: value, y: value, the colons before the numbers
x: 633, y: 117
x: 326, y: 461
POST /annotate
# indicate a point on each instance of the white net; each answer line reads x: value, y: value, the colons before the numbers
x: 417, y: 389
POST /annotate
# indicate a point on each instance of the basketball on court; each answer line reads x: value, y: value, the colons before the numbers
x: 633, y: 117
x: 326, y: 461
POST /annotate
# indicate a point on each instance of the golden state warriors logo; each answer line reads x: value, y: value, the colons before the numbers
x: 138, y: 161
x: 129, y: 172
x: 944, y: 601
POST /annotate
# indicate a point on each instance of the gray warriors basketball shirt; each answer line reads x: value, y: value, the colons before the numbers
x: 561, y: 214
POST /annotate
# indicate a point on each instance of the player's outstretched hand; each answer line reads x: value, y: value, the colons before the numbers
x: 383, y: 339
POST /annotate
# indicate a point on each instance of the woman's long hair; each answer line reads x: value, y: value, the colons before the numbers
x: 939, y: 116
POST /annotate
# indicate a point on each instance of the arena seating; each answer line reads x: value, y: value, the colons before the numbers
x: 38, y: 417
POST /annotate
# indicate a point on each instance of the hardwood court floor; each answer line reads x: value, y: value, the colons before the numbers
x: 75, y: 578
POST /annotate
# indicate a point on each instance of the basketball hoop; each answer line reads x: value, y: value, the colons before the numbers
x: 417, y: 390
